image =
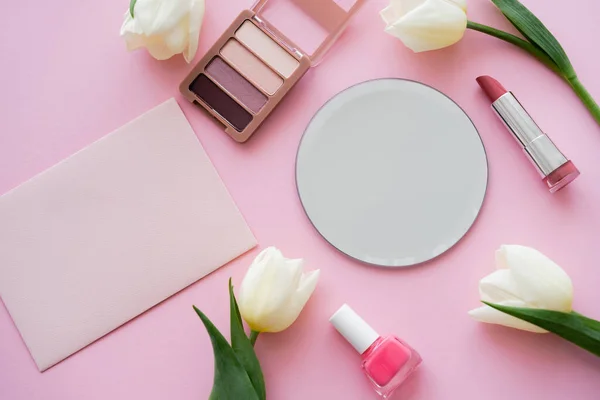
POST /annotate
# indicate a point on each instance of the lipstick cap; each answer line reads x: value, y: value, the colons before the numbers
x: 353, y: 328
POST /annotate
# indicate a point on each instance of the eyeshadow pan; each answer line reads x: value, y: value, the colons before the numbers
x: 267, y: 49
x: 236, y: 84
x: 220, y: 101
x: 253, y: 68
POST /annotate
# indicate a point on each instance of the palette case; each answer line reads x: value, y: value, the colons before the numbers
x: 261, y: 56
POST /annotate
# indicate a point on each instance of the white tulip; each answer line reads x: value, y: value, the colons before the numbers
x: 424, y: 25
x: 164, y: 27
x: 274, y: 291
x: 525, y: 278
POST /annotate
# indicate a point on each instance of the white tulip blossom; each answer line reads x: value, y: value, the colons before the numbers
x: 525, y: 278
x: 424, y: 25
x: 274, y: 291
x: 164, y: 27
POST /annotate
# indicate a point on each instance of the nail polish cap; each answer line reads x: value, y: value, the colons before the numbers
x: 353, y: 328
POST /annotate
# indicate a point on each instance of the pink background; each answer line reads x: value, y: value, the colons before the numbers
x: 67, y: 80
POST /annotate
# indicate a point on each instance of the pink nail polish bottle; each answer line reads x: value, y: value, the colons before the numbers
x: 386, y: 360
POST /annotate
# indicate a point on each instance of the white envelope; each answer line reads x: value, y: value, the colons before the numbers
x: 111, y: 231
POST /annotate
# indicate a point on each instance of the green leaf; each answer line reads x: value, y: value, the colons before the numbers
x: 131, y: 7
x: 517, y: 41
x: 231, y: 381
x: 243, y: 349
x: 577, y: 329
x: 534, y: 30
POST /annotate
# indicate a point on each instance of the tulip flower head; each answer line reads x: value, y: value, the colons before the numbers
x: 164, y: 28
x: 424, y: 25
x: 274, y: 291
x: 525, y: 278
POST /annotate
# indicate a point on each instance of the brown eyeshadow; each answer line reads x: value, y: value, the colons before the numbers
x: 220, y: 101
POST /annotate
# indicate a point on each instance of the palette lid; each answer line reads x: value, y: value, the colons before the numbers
x: 308, y: 27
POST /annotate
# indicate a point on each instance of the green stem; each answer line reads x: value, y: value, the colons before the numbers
x: 517, y: 41
x: 253, y: 337
x: 585, y: 97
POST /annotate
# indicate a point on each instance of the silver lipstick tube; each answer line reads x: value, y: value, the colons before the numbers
x: 541, y: 150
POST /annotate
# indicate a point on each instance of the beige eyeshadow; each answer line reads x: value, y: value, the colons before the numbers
x: 267, y: 49
x: 251, y: 67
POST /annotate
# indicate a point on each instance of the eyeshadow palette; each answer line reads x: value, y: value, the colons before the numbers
x: 253, y: 65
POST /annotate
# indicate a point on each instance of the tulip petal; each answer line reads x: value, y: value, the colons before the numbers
x: 498, y: 287
x: 274, y: 291
x: 177, y: 38
x: 432, y: 25
x: 460, y: 3
x: 284, y: 279
x: 134, y: 41
x: 158, y: 48
x: 194, y: 26
x: 540, y: 282
x: 133, y: 35
x: 156, y: 17
x: 300, y: 297
x: 389, y: 15
x: 250, y: 289
x: 491, y: 316
x: 267, y: 289
x: 165, y: 28
x: 307, y: 286
x: 130, y: 25
x: 398, y: 8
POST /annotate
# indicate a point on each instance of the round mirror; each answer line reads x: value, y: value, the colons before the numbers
x: 391, y: 172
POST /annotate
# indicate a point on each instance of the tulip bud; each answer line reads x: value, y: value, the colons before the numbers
x: 274, y: 291
x: 424, y: 25
x: 165, y: 28
x: 525, y: 278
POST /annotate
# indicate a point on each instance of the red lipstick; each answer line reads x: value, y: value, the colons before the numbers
x: 491, y: 87
x: 556, y: 169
